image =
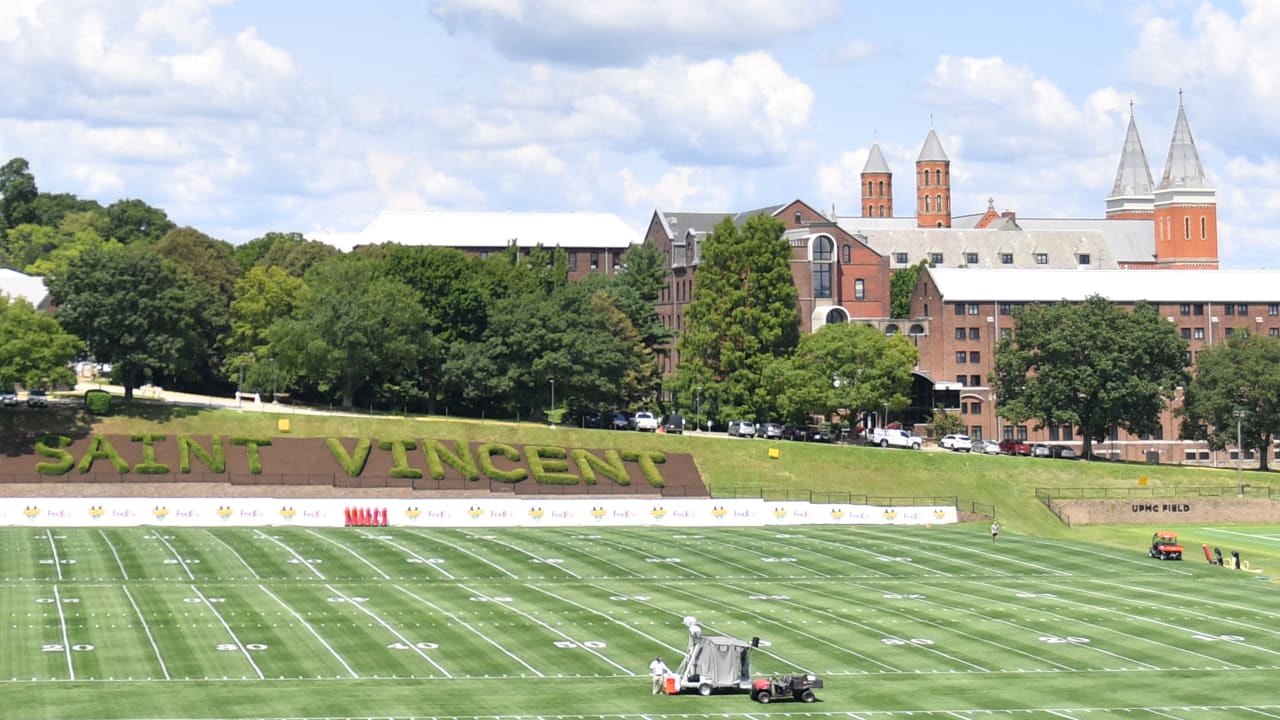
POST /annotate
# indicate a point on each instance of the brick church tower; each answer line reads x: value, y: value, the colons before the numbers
x: 933, y: 185
x: 1133, y: 195
x: 877, y: 185
x: 1186, y: 207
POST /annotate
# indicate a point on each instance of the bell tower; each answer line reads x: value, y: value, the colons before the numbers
x: 1186, y: 207
x: 933, y: 185
x: 877, y: 185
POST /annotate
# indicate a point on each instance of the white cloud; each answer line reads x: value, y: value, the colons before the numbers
x: 679, y: 188
x: 745, y: 110
x: 628, y: 31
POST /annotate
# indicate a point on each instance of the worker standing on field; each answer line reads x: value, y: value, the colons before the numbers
x: 658, y: 670
x: 995, y: 531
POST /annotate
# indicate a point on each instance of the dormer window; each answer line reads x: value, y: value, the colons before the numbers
x: 1042, y: 258
x: 971, y: 258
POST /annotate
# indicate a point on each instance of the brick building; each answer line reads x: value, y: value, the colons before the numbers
x: 960, y: 315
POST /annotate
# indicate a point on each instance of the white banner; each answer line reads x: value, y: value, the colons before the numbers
x: 452, y: 512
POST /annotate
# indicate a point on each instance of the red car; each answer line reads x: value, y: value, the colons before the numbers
x: 1009, y: 446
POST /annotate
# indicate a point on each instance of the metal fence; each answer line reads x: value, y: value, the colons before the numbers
x: 849, y: 498
x: 1044, y: 495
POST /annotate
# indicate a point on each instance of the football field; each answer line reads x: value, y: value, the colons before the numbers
x: 552, y: 623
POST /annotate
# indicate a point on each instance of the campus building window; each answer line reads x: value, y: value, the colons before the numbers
x: 1042, y: 258
x: 975, y: 381
x: 973, y: 308
x: 1006, y: 258
x: 573, y: 262
x: 595, y: 260
x: 935, y: 258
x: 971, y: 258
x: 960, y: 334
x: 1184, y: 309
x: 975, y: 333
x: 975, y: 357
x: 859, y: 289
x: 900, y: 258
x: 961, y: 357
x: 823, y: 248
x: 1186, y: 333
x: 846, y: 254
x: 1085, y: 259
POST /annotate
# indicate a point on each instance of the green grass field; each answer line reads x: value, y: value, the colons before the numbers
x: 155, y: 622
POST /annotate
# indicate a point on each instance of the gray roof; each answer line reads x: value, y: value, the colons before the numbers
x: 1182, y: 169
x: 1128, y: 240
x: 875, y: 161
x: 679, y: 223
x: 932, y: 150
x: 1157, y: 286
x: 854, y: 224
x: 1061, y: 248
x: 1133, y: 176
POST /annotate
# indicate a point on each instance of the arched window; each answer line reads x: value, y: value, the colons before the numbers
x: 870, y: 187
x: 1204, y: 228
x: 881, y: 188
x: 937, y: 177
x: 926, y: 203
x: 837, y: 315
x: 859, y: 289
x: 1186, y: 222
x: 798, y: 220
x: 891, y: 329
x: 846, y: 254
x: 882, y: 211
x: 916, y: 329
x: 940, y: 208
x: 823, y: 250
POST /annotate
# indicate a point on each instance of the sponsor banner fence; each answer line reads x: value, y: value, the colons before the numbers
x: 452, y: 512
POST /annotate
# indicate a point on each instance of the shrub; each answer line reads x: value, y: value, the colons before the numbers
x: 548, y: 466
x: 399, y: 452
x: 486, y: 453
x: 97, y: 402
x: 51, y: 446
x: 215, y: 459
x: 354, y: 463
x: 648, y: 460
x: 252, y: 444
x: 610, y: 466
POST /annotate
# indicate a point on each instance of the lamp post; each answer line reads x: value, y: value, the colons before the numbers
x: 553, y: 393
x: 1239, y: 416
x: 697, y: 420
x: 273, y: 379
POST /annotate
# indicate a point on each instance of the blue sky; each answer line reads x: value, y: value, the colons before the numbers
x: 240, y: 118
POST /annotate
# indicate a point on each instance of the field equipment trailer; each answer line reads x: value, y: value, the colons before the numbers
x: 1164, y: 546
x: 797, y: 687
x: 715, y: 663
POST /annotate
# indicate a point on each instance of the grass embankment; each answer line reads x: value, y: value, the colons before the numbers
x: 743, y: 467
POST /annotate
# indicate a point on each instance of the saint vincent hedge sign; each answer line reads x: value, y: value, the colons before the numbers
x: 158, y: 457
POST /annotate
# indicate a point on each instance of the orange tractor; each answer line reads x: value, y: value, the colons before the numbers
x: 1164, y: 546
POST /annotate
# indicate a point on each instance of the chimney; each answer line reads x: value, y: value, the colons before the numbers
x: 1009, y: 214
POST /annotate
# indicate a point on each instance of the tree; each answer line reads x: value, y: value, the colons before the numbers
x: 946, y: 423
x: 135, y: 310
x: 742, y: 315
x: 34, y: 349
x: 17, y: 194
x: 295, y: 253
x: 901, y: 286
x: 52, y: 208
x: 1091, y: 365
x: 134, y: 221
x: 843, y: 368
x: 353, y: 327
x: 209, y: 260
x: 263, y: 296
x: 1242, y: 374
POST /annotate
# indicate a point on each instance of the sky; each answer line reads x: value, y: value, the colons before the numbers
x: 241, y: 118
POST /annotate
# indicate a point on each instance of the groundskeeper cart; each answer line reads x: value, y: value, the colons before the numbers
x: 715, y: 663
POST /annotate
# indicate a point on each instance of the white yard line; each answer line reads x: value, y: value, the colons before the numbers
x: 527, y: 616
x: 471, y: 628
x: 1164, y: 714
x: 608, y: 617
x: 1272, y: 540
x: 754, y: 532
x: 1258, y: 711
x: 647, y: 556
x: 115, y: 554
x: 181, y: 563
x: 425, y: 561
x: 991, y: 555
x: 57, y: 563
x: 1080, y: 549
x: 301, y: 560
x: 571, y: 550
x: 1212, y: 601
x: 147, y: 629
x: 235, y: 638
x: 243, y: 562
x: 794, y: 630
x: 353, y: 554
x: 1055, y: 712
x: 311, y: 630
x: 1154, y: 621
x: 412, y: 645
x: 718, y: 559
x: 762, y: 552
x: 62, y: 623
x: 466, y: 552
x: 539, y: 558
x: 886, y: 547
x: 1054, y: 632
x: 1057, y: 599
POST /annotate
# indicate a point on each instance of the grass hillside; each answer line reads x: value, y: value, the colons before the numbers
x: 744, y: 468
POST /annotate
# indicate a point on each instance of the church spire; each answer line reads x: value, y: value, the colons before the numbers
x: 1183, y: 169
x: 1132, y: 195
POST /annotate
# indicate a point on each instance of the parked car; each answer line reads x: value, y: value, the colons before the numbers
x: 9, y: 398
x: 769, y: 431
x: 817, y: 433
x: 795, y: 432
x: 896, y: 437
x: 956, y: 443
x: 742, y: 428
x: 1062, y: 452
x: 673, y: 425
x: 1040, y: 450
x: 1009, y: 446
x: 644, y: 421
x: 37, y: 398
x: 618, y: 421
x: 987, y: 447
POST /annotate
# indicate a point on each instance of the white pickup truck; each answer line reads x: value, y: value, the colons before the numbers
x: 645, y: 422
x: 893, y: 437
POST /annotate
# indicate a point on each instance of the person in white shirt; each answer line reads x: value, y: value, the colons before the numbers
x: 995, y: 532
x: 659, y: 671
